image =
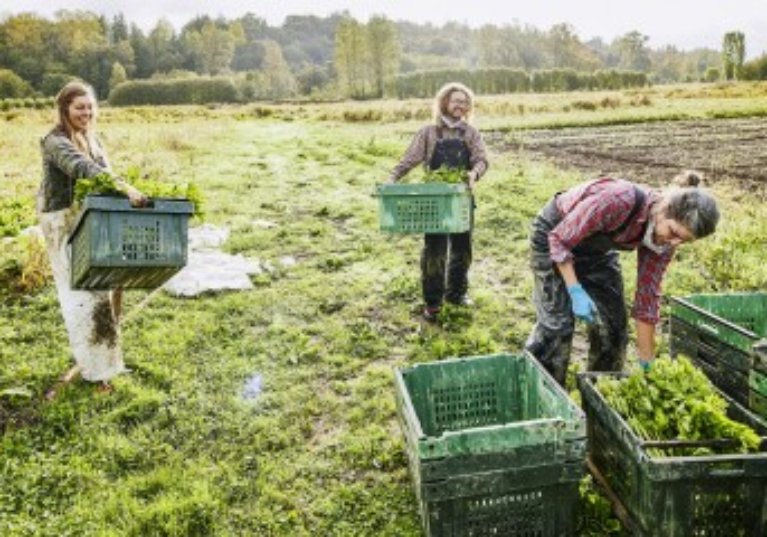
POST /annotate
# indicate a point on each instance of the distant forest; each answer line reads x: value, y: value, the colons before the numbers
x: 335, y: 56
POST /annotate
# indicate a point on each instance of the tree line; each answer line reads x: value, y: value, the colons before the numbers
x: 331, y: 57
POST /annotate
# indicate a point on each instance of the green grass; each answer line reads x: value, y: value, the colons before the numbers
x: 176, y: 449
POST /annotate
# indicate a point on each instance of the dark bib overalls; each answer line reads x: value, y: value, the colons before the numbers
x: 597, y: 267
x: 446, y: 256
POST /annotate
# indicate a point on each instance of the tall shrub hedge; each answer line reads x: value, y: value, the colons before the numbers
x: 504, y: 80
x: 175, y: 91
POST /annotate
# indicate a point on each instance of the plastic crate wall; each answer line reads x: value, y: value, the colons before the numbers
x: 425, y: 208
x: 114, y: 245
x: 677, y: 496
x: 494, y: 445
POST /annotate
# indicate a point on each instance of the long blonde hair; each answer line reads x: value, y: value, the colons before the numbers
x: 84, y: 141
x: 439, y: 106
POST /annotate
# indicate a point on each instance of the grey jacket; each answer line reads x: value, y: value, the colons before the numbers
x: 63, y: 165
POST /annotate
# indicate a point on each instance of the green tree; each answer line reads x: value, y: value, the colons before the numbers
x: 25, y: 47
x: 566, y: 49
x: 733, y: 54
x: 496, y: 47
x: 12, y: 85
x: 162, y: 47
x: 53, y: 82
x: 383, y: 52
x: 669, y: 65
x: 218, y: 46
x: 712, y: 74
x: 633, y: 52
x: 118, y: 75
x: 350, y: 57
x: 276, y: 72
x: 144, y: 61
x: 756, y: 69
x: 119, y: 29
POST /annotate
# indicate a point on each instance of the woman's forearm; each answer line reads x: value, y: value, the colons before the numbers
x: 645, y: 340
x: 567, y: 270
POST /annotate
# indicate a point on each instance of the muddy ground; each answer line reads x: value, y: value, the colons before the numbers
x: 724, y: 149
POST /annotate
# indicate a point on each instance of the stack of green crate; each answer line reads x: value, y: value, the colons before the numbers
x: 424, y: 208
x: 495, y: 446
x: 115, y: 245
x: 714, y: 495
x: 724, y: 335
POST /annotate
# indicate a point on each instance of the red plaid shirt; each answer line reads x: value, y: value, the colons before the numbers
x: 603, y: 206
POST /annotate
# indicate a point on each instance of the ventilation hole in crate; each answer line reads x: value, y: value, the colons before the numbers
x: 519, y: 514
x: 750, y: 324
x: 418, y: 213
x: 470, y: 405
x: 141, y: 242
x: 718, y: 512
x: 612, y: 462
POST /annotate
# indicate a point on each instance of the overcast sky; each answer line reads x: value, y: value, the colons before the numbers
x: 684, y: 23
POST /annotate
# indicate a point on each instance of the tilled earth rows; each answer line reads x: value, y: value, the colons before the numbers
x: 725, y: 149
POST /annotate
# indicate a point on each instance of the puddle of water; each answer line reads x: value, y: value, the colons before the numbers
x: 253, y: 387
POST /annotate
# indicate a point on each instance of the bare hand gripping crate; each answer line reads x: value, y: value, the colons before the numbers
x: 495, y: 446
x: 712, y: 495
x: 726, y: 336
x: 425, y: 208
x: 115, y: 245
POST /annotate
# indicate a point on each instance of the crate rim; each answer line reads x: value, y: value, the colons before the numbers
x: 450, y: 189
x: 85, y: 208
x: 579, y: 414
x: 683, y: 301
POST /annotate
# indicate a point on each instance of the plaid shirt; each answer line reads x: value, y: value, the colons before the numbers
x: 603, y: 206
x: 422, y: 148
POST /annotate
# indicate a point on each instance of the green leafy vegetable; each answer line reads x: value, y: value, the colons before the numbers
x: 675, y: 401
x: 104, y: 183
x: 446, y: 175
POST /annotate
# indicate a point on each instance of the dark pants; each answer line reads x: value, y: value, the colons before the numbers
x: 445, y: 255
x: 600, y: 275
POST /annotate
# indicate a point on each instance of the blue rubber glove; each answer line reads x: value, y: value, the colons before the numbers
x: 645, y: 365
x: 583, y: 306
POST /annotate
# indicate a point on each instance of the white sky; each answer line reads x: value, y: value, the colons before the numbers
x: 684, y: 23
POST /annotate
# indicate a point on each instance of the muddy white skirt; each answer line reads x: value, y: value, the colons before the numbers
x: 94, y: 332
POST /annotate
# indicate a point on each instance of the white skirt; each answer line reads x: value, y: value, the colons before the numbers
x: 94, y: 332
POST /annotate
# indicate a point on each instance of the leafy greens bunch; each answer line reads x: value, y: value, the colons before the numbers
x: 675, y: 401
x: 104, y: 184
x: 446, y: 175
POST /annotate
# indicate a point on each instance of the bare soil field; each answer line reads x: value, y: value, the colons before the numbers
x: 724, y: 149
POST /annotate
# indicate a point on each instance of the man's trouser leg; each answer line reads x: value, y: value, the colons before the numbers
x: 552, y: 336
x: 601, y: 278
x: 433, y: 258
x: 458, y: 266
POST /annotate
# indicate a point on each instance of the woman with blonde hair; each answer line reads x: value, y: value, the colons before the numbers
x: 72, y: 151
x: 451, y: 142
x: 574, y: 241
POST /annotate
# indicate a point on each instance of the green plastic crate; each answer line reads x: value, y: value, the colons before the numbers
x: 725, y: 322
x: 757, y: 381
x: 115, y: 245
x: 495, y: 446
x: 714, y: 495
x: 424, y: 208
x: 758, y: 403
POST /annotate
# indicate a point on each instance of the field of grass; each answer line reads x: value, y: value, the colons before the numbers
x: 177, y: 449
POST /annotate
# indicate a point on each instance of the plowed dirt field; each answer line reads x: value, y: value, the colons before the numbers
x: 727, y: 149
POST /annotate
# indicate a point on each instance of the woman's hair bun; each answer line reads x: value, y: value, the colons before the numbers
x: 688, y: 178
